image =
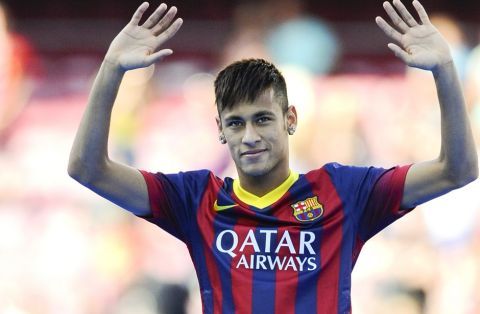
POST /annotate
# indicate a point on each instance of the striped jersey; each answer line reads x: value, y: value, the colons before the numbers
x: 289, y: 251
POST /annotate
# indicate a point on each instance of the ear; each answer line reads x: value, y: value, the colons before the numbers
x: 219, y: 124
x: 221, y: 136
x: 291, y: 117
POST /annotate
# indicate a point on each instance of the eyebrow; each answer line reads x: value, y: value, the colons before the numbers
x: 256, y: 115
x: 263, y: 113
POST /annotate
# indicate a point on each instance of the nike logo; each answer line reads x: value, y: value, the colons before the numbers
x: 217, y: 207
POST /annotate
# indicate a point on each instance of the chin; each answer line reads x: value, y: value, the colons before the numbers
x: 256, y: 170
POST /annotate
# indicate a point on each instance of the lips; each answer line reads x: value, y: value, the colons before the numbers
x: 253, y: 152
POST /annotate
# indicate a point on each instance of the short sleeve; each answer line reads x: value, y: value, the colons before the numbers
x: 384, y: 202
x: 174, y: 199
x: 371, y: 196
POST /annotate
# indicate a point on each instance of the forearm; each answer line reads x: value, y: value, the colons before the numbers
x: 458, y: 152
x: 90, y: 148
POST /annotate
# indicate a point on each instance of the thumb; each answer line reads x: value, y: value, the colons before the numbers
x: 399, y: 52
x: 157, y: 56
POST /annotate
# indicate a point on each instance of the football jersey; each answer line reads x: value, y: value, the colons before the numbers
x: 290, y: 251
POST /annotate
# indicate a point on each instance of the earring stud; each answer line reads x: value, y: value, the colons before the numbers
x: 222, y: 139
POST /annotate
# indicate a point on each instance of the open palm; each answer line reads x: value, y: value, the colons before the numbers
x: 419, y: 45
x: 137, y: 45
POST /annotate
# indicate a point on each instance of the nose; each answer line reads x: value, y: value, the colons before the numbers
x: 251, y: 136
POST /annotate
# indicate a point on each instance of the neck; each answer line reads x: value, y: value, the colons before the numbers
x: 261, y: 185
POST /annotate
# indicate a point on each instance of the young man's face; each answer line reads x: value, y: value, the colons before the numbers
x: 256, y: 134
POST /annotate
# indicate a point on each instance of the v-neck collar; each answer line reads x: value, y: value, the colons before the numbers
x: 269, y: 198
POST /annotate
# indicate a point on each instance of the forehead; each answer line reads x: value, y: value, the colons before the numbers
x: 265, y: 102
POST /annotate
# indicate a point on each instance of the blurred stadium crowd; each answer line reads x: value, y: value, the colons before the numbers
x: 65, y: 250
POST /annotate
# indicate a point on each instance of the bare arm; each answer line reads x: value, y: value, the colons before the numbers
x: 420, y: 45
x: 134, y: 47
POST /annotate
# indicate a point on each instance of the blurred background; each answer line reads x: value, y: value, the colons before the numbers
x: 65, y: 250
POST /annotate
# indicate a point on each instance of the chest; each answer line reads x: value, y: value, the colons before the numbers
x: 298, y: 233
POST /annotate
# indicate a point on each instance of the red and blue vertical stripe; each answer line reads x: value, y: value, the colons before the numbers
x: 182, y: 204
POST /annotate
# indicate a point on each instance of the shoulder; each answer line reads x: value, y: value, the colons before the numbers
x: 196, y: 179
x: 193, y: 174
x: 335, y: 168
x: 341, y: 174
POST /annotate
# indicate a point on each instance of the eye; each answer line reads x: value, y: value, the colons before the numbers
x: 263, y: 120
x: 234, y: 124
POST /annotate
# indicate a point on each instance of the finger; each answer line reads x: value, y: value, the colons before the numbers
x: 396, y: 19
x: 400, y: 53
x: 157, y: 56
x: 169, y: 32
x: 164, y: 23
x: 137, y: 16
x: 155, y: 17
x: 421, y: 12
x: 387, y: 29
x: 407, y: 17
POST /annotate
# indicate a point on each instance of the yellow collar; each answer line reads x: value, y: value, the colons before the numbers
x: 269, y: 198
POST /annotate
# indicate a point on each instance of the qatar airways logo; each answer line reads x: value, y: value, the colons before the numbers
x: 266, y: 253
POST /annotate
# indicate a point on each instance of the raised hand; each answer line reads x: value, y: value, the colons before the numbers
x: 138, y: 46
x: 420, y: 44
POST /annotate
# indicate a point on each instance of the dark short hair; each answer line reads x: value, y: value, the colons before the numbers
x: 245, y: 80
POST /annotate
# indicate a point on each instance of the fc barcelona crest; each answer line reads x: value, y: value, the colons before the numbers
x: 307, y: 210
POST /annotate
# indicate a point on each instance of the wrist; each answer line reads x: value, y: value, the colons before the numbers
x: 113, y: 65
x: 447, y: 64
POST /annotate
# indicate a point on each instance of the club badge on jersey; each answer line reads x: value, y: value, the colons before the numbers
x: 307, y: 210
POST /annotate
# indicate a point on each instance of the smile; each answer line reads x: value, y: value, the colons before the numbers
x: 253, y: 152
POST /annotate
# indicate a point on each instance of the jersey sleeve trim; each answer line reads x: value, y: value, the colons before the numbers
x: 384, y: 204
x: 154, y: 192
x: 400, y: 176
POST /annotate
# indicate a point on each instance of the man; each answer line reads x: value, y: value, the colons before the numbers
x: 272, y: 241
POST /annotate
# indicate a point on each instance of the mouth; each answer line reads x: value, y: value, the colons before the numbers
x: 253, y: 152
